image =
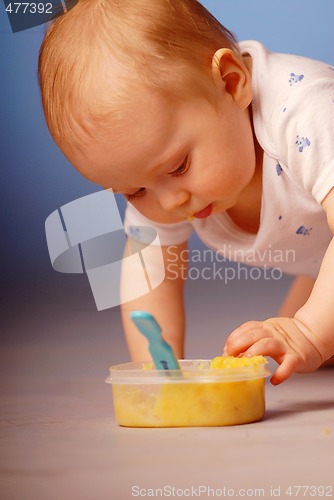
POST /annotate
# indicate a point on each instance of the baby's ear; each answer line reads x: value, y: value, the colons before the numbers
x: 230, y: 74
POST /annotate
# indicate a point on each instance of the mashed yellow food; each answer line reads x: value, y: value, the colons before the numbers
x: 204, y: 402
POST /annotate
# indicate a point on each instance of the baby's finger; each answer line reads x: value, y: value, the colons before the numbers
x: 267, y: 346
x: 276, y: 350
x: 244, y: 328
x: 244, y: 341
x: 285, y: 370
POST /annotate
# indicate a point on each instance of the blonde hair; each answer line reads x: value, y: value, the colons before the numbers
x: 168, y: 44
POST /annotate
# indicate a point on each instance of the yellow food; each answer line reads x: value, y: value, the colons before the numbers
x: 232, y: 362
x: 200, y: 403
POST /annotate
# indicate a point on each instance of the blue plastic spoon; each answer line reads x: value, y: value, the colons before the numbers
x: 161, y: 352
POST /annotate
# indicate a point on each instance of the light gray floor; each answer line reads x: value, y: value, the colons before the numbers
x: 59, y: 439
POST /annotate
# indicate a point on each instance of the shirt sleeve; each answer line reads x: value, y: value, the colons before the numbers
x: 169, y: 234
x: 303, y: 130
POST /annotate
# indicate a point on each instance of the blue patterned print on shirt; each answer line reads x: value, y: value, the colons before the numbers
x: 295, y: 78
x: 302, y: 143
x: 134, y: 232
x: 304, y: 231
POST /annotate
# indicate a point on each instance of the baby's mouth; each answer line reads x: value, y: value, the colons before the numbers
x: 205, y: 212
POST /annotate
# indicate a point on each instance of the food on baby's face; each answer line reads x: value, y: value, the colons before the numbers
x: 225, y: 391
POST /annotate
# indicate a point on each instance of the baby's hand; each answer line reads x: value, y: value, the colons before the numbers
x: 286, y: 340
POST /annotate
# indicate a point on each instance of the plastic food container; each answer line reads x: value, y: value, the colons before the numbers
x: 198, y: 395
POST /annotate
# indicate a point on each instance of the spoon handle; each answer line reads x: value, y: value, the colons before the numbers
x: 161, y: 352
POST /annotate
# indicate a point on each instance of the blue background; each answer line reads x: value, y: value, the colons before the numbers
x: 36, y: 178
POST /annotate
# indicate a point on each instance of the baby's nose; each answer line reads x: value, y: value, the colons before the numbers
x: 172, y: 200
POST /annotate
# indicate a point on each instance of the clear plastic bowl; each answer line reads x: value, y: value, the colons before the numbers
x: 195, y: 396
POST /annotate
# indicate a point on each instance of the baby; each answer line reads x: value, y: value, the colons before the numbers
x: 159, y: 102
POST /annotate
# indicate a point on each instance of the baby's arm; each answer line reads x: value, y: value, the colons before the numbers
x: 303, y: 342
x: 165, y: 303
x: 297, y: 295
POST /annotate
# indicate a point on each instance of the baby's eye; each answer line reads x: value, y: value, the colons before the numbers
x: 135, y: 195
x: 183, y: 168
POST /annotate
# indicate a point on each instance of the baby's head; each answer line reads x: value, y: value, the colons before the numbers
x: 95, y: 58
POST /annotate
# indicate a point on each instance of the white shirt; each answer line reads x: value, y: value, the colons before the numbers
x: 293, y: 114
